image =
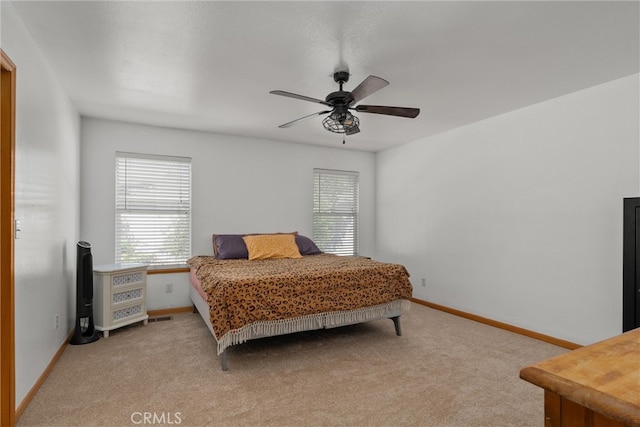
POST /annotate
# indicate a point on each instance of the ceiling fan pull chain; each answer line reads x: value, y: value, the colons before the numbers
x: 343, y: 139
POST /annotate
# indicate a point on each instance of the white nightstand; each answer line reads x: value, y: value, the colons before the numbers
x: 119, y: 295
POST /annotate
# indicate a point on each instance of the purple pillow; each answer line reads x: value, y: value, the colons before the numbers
x: 306, y: 246
x: 229, y: 246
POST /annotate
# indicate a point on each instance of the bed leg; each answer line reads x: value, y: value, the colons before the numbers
x: 223, y: 360
x: 195, y: 310
x: 396, y: 323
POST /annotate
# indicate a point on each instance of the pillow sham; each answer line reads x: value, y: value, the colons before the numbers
x: 306, y: 246
x: 271, y: 246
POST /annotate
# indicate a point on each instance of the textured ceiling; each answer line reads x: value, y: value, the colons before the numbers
x: 210, y: 65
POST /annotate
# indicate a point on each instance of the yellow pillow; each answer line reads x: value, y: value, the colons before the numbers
x: 266, y: 246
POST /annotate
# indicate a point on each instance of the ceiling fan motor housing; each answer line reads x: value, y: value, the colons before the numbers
x: 337, y: 98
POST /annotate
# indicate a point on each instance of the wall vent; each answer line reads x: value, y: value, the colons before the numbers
x: 160, y: 318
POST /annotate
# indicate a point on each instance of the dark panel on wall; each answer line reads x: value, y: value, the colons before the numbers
x: 631, y: 265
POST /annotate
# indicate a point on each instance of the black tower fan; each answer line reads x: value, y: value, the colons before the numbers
x: 85, y: 330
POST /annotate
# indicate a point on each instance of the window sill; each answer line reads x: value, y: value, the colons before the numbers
x: 168, y: 269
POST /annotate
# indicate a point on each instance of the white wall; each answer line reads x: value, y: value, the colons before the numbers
x: 239, y: 185
x: 47, y: 204
x: 518, y: 218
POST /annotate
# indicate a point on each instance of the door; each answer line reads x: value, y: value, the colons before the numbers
x: 7, y: 158
x: 631, y: 265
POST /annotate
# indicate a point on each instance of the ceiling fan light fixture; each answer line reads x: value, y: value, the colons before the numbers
x: 341, y: 122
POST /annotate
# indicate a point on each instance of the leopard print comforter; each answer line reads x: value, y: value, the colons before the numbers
x: 241, y: 292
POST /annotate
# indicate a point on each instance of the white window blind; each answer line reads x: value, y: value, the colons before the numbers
x: 153, y: 209
x: 335, y: 211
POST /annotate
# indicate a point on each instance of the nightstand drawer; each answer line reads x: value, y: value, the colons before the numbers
x: 127, y: 313
x: 120, y: 280
x: 126, y: 296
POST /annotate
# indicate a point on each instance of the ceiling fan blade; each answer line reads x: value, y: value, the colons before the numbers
x: 389, y: 111
x: 302, y: 97
x: 368, y: 86
x: 293, y: 122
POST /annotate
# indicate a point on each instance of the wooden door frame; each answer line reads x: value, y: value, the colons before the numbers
x: 7, y: 187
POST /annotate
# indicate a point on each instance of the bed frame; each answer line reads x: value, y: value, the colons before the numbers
x: 392, y: 311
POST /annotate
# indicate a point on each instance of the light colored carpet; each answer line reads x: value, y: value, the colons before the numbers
x: 443, y: 371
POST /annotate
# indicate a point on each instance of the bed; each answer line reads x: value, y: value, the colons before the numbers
x: 280, y: 284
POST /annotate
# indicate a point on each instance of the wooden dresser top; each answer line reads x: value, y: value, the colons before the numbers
x: 604, y: 376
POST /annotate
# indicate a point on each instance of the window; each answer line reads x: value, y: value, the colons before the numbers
x: 153, y: 209
x: 335, y: 211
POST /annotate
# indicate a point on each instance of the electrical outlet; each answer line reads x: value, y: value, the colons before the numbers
x: 423, y: 282
x: 56, y: 321
x: 168, y: 288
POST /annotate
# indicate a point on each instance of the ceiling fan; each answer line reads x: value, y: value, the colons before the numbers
x: 340, y: 119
